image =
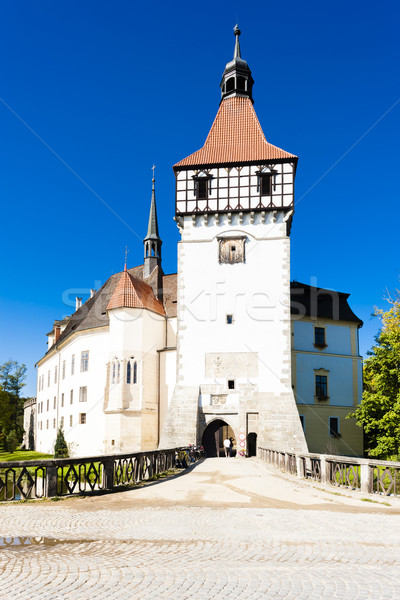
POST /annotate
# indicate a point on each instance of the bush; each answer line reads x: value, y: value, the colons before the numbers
x: 12, y: 441
x: 60, y: 446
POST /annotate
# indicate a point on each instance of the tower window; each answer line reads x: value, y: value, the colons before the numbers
x: 265, y: 184
x: 230, y: 84
x: 241, y: 83
x: 231, y: 384
x: 82, y: 418
x: 128, y: 372
x: 229, y: 319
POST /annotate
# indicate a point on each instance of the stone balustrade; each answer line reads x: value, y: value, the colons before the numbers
x: 363, y: 474
x: 65, y: 476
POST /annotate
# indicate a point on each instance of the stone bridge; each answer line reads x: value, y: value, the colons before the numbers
x: 225, y: 528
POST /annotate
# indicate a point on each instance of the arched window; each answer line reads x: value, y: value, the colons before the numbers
x: 113, y: 372
x: 128, y: 372
x: 118, y: 371
x: 135, y: 372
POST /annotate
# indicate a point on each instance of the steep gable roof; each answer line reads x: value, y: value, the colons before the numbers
x: 235, y: 136
x: 134, y: 293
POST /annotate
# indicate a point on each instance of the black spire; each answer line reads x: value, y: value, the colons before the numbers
x: 152, y: 241
x: 237, y: 79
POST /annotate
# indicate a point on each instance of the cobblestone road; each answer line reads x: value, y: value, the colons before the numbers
x: 228, y: 529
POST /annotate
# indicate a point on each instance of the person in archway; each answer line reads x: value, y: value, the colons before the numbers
x: 227, y: 447
x: 231, y: 441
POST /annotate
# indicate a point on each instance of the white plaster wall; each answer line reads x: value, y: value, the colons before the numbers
x: 167, y: 381
x: 138, y: 334
x: 340, y: 379
x: 338, y: 337
x: 86, y: 439
x: 255, y: 292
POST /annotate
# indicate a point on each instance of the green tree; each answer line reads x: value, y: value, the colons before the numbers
x: 12, y: 380
x: 379, y: 411
x: 60, y: 446
x: 12, y: 441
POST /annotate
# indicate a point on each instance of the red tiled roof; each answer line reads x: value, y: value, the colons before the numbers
x: 134, y: 293
x: 235, y: 136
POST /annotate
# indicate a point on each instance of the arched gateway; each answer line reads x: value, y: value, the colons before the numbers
x: 213, y: 438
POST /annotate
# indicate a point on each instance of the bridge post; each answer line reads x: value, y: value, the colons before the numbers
x: 51, y: 481
x: 367, y: 478
x: 108, y: 473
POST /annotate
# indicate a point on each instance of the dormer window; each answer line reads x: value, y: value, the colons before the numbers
x: 202, y: 186
x: 265, y: 184
x: 202, y: 189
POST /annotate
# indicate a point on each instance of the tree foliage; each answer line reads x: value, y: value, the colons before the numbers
x: 60, y: 446
x: 12, y: 380
x: 379, y: 411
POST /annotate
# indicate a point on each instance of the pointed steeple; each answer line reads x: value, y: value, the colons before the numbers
x: 152, y: 241
x: 237, y: 79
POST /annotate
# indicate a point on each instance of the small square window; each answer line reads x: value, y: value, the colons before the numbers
x: 231, y: 384
x: 334, y: 426
x: 229, y: 319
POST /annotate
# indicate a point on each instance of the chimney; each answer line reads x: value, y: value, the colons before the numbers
x: 78, y: 303
x: 92, y: 293
x: 57, y: 331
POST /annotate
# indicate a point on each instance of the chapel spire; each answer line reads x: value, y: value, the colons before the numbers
x: 237, y: 79
x: 152, y: 241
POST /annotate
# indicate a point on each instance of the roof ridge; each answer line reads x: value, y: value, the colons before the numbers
x: 235, y: 136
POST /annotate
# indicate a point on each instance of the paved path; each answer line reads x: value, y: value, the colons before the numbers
x: 228, y: 529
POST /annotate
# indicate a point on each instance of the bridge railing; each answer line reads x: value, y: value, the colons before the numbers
x: 366, y: 475
x: 67, y: 476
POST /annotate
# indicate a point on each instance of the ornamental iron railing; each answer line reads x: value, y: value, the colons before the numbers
x: 365, y: 475
x: 23, y: 480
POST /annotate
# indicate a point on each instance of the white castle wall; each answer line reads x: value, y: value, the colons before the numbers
x: 84, y: 438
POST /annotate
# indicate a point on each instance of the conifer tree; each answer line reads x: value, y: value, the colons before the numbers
x: 60, y: 446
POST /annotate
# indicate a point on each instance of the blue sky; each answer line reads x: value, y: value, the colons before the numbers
x: 93, y: 93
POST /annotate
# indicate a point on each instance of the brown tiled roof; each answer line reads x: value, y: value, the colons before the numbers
x: 235, y: 136
x: 134, y: 293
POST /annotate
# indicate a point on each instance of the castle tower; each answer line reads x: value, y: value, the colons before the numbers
x: 234, y: 208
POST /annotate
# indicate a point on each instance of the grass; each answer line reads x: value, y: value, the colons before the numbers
x: 375, y: 501
x: 23, y: 455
